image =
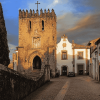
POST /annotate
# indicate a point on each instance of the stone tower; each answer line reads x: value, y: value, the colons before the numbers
x: 37, y: 40
x: 4, y: 50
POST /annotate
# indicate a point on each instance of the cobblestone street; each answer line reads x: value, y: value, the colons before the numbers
x: 68, y: 88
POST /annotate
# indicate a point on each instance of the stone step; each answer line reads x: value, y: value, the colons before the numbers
x: 34, y: 74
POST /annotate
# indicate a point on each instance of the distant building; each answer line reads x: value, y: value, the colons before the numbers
x: 10, y: 65
x: 94, y: 70
x: 72, y: 57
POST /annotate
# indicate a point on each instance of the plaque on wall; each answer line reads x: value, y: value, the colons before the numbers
x: 64, y: 44
x: 36, y: 32
x: 36, y: 42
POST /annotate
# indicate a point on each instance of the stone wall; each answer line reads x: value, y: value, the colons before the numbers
x: 15, y: 86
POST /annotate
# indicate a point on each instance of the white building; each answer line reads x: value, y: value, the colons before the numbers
x: 72, y: 57
x: 94, y: 70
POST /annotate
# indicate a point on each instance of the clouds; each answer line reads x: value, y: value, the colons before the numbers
x: 54, y: 3
x: 93, y: 3
x: 84, y: 29
x: 65, y: 22
x: 89, y: 21
x: 92, y: 6
x: 12, y: 30
x: 78, y: 19
x: 12, y: 38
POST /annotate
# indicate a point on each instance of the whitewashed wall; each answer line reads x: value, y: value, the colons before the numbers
x: 80, y: 61
x: 67, y: 62
x: 94, y: 65
x: 98, y: 52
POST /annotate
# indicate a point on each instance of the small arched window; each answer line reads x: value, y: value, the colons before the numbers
x: 53, y: 37
x: 42, y: 25
x: 30, y: 24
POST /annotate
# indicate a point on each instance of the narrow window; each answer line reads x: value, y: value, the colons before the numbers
x: 30, y: 24
x: 80, y: 55
x: 42, y: 25
x: 53, y: 37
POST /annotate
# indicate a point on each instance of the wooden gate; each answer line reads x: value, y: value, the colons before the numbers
x: 64, y: 70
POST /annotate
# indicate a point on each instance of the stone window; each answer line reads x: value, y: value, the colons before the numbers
x: 42, y: 25
x: 36, y: 42
x: 64, y: 55
x: 80, y: 55
x: 30, y: 24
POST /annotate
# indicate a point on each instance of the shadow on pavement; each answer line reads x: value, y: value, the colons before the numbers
x: 38, y: 91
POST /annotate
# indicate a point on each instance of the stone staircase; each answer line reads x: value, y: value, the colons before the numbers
x: 35, y: 74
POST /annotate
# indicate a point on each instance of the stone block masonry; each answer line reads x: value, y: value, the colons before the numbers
x: 37, y: 32
x: 15, y: 86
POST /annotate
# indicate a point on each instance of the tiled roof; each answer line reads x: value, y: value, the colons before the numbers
x: 92, y: 41
x: 98, y: 41
x: 78, y: 46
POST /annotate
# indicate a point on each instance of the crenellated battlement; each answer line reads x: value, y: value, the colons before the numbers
x: 23, y: 14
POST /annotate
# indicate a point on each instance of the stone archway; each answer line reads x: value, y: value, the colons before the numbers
x: 36, y: 62
x: 32, y: 56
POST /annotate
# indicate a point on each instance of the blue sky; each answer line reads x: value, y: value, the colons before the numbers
x: 78, y: 19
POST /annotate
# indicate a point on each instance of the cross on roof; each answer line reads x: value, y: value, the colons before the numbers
x: 37, y: 4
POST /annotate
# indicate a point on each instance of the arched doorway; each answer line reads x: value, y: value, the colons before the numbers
x: 64, y: 70
x: 37, y: 63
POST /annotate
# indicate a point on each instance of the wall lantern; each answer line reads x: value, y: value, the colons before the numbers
x: 16, y: 51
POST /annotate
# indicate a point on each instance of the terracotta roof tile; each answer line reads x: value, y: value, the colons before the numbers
x: 78, y: 46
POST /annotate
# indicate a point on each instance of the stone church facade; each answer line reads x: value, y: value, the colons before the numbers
x: 37, y: 41
x: 72, y: 57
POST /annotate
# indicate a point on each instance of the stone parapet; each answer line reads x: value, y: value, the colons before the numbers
x: 23, y: 14
x: 15, y: 86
